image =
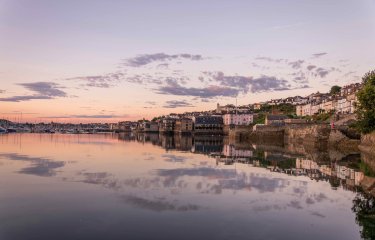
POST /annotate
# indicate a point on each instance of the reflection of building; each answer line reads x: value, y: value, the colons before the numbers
x: 167, y: 142
x: 207, y: 144
x: 306, y: 164
x: 349, y: 176
x: 183, y: 142
x: 231, y: 151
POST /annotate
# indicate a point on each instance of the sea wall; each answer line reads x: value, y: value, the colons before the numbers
x: 273, y: 135
x: 367, y: 148
x: 339, y: 141
x: 314, y: 135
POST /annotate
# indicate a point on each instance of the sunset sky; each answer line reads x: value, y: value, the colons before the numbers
x: 106, y: 61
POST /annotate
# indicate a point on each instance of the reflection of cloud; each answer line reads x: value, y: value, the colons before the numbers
x: 318, y: 214
x: 157, y: 205
x: 173, y: 158
x: 266, y: 208
x: 295, y: 204
x: 43, y: 167
x: 101, y: 178
x: 197, y: 172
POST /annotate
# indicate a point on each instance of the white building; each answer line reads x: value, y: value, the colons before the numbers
x: 238, y: 119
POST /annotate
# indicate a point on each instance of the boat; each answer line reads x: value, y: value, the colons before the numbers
x: 2, y: 130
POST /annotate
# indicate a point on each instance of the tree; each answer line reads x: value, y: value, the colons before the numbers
x: 335, y: 90
x: 366, y: 102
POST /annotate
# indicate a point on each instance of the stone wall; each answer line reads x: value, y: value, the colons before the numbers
x: 337, y: 140
x: 367, y: 148
x: 315, y: 135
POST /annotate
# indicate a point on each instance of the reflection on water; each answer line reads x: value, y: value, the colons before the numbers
x: 117, y: 186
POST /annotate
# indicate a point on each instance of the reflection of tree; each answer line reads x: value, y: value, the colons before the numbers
x: 335, y: 182
x: 364, y: 207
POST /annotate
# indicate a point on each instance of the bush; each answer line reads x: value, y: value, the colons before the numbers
x: 366, y: 103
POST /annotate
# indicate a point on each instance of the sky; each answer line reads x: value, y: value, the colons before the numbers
x: 109, y: 61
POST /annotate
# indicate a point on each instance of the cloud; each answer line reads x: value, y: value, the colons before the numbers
x: 296, y: 64
x: 176, y: 104
x: 275, y: 60
x: 268, y: 83
x: 321, y: 72
x: 142, y: 60
x: 173, y: 88
x: 245, y: 84
x: 2, y: 91
x: 99, y: 116
x: 153, y: 103
x: 100, y: 81
x: 49, y: 89
x: 43, y: 90
x: 24, y: 98
x: 317, y: 55
x: 310, y: 67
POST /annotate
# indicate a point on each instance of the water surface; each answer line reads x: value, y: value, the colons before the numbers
x: 110, y: 186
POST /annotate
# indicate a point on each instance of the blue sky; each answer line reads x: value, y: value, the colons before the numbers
x: 71, y: 59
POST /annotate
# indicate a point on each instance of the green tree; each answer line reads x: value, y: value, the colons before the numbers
x: 366, y: 103
x: 335, y: 90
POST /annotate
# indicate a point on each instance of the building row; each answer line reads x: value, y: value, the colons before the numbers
x: 205, y: 124
x: 337, y: 104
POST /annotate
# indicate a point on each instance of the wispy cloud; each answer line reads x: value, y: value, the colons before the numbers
x: 245, y: 84
x: 322, y: 72
x: 275, y: 60
x: 318, y: 55
x: 88, y: 116
x: 42, y: 90
x: 296, y: 64
x: 176, y: 104
x: 100, y: 81
x: 204, y: 92
x: 142, y: 60
x: 310, y: 67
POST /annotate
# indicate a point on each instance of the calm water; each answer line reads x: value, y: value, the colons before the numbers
x: 149, y: 187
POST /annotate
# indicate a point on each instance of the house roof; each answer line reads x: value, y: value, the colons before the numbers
x: 208, y: 120
x: 276, y: 117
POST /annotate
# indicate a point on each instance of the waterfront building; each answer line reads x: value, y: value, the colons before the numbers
x: 209, y: 124
x: 238, y: 119
x: 184, y: 125
x: 151, y: 127
x: 167, y: 125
